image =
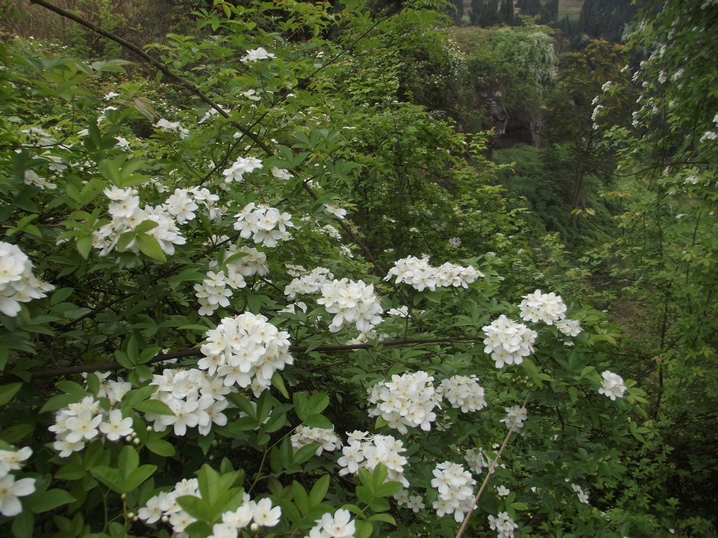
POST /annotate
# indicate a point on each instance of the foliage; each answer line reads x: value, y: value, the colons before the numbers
x: 185, y: 241
x: 665, y: 257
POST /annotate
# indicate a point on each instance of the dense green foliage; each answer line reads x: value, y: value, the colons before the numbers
x: 182, y: 232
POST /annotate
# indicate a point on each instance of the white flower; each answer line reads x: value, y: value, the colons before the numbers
x: 240, y: 167
x: 10, y: 490
x: 336, y: 211
x: 281, y: 173
x: 255, y: 55
x: 515, y: 413
x: 406, y: 400
x: 340, y: 525
x: 503, y: 491
x: 508, y: 342
x: 613, y: 386
x: 463, y: 393
x: 504, y: 524
x: 265, y: 515
x: 116, y: 426
x: 455, y: 487
x: 10, y: 459
x: 304, y: 435
x: 545, y: 307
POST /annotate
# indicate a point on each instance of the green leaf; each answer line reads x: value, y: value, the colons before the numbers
x: 278, y: 383
x: 71, y: 471
x: 364, y: 529
x: 60, y: 401
x: 304, y: 453
x: 70, y: 387
x: 154, y: 407
x: 49, y: 500
x: 138, y: 476
x: 84, y: 245
x: 386, y: 518
x: 318, y: 421
x: 149, y: 246
x: 364, y: 494
x: 134, y: 397
x: 387, y: 489
x: 319, y: 491
x: 110, y: 477
x: 8, y: 391
x: 198, y: 529
x: 22, y: 525
x: 160, y: 447
x: 128, y: 461
x: 301, y: 499
x: 209, y: 483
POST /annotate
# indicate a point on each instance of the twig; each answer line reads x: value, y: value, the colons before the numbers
x: 491, y: 470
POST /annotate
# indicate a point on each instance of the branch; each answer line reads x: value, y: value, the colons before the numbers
x: 196, y: 352
x: 492, y: 466
x: 156, y: 63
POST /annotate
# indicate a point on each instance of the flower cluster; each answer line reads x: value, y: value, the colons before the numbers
x: 406, y: 400
x: 351, y: 302
x: 311, y: 283
x: 10, y: 489
x: 413, y: 502
x: 545, y: 307
x: 420, y: 275
x: 463, y: 393
x: 172, y: 127
x: 478, y: 460
x: 184, y: 202
x: 196, y: 399
x: 17, y: 283
x: 327, y: 439
x: 550, y: 309
x: 582, y: 495
x: 455, y: 487
x: 613, y: 386
x: 508, y: 342
x: 30, y: 177
x: 365, y: 452
x: 340, y: 525
x: 256, y: 55
x: 213, y: 291
x: 515, y: 413
x: 164, y: 506
x: 81, y: 422
x: 504, y: 524
x: 263, y: 224
x: 246, y: 350
x: 127, y: 215
x: 241, y: 166
x: 216, y: 289
x: 569, y: 327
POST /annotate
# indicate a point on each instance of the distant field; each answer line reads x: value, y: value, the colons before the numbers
x: 573, y: 11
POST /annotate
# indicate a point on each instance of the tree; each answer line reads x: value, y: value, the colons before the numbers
x: 507, y: 12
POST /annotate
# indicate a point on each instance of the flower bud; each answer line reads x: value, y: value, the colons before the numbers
x: 135, y: 441
x: 128, y: 438
x: 254, y: 527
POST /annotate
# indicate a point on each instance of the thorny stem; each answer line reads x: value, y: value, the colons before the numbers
x: 491, y: 470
